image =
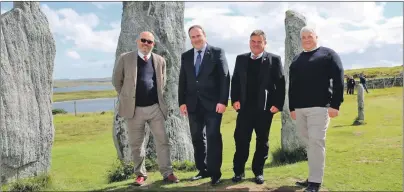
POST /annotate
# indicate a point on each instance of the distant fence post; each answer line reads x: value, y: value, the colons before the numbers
x: 75, y: 111
x: 114, y: 104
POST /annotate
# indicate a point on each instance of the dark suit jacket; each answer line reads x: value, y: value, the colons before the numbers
x: 211, y: 86
x: 271, y: 77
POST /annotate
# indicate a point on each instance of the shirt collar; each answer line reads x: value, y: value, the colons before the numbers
x: 203, y: 48
x: 317, y: 46
x: 141, y: 55
x: 259, y: 55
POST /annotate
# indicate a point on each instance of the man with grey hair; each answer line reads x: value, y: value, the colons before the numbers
x: 313, y: 99
x: 257, y: 93
x: 139, y: 79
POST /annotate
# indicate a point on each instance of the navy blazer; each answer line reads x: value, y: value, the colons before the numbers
x: 210, y: 86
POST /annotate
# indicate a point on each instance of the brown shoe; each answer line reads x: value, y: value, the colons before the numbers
x: 171, y: 178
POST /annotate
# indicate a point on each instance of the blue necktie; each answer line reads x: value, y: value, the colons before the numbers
x: 198, y: 62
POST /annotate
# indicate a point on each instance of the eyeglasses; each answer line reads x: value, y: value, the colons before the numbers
x: 146, y: 40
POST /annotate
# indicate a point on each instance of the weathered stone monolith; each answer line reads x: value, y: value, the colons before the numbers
x: 293, y: 23
x: 26, y: 121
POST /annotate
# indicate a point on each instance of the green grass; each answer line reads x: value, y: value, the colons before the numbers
x: 376, y: 72
x: 367, y: 157
x: 67, y: 96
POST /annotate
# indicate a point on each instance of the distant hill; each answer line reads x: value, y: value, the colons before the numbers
x: 376, y: 72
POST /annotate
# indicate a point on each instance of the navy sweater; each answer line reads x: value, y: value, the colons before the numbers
x: 146, y: 88
x: 316, y: 79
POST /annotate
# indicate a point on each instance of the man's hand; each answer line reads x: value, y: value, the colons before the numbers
x: 236, y: 105
x: 274, y: 110
x: 183, y: 110
x: 293, y: 115
x: 220, y: 108
x: 332, y: 112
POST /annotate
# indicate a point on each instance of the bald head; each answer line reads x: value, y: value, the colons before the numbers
x: 147, y: 35
x: 145, y: 42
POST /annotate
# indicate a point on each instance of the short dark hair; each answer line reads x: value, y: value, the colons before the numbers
x: 196, y: 26
x: 258, y: 32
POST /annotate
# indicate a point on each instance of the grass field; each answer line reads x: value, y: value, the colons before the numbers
x: 67, y: 96
x: 367, y: 157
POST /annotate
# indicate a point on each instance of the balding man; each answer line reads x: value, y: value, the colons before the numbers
x: 316, y: 89
x: 139, y: 78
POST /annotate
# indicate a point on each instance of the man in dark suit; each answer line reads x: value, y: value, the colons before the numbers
x: 257, y: 93
x: 203, y: 95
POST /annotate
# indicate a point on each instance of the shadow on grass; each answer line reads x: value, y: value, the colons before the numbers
x: 358, y: 122
x: 339, y: 126
x: 287, y: 189
x: 225, y: 185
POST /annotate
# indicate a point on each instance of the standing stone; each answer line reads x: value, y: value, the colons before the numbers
x: 166, y: 21
x: 293, y: 23
x: 361, y: 105
x: 26, y: 121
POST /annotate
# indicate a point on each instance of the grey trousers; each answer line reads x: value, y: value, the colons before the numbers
x: 312, y: 124
x: 136, y: 134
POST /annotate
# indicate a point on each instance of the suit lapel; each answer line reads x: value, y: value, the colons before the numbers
x: 134, y: 67
x: 157, y: 67
x: 243, y: 72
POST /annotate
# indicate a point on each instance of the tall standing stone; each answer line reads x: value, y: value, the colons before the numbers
x: 166, y: 21
x: 361, y: 105
x: 293, y: 23
x: 26, y: 121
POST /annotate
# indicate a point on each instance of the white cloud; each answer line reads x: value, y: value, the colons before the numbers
x: 80, y: 28
x: 3, y: 11
x: 73, y: 54
x: 347, y: 27
x: 103, y: 5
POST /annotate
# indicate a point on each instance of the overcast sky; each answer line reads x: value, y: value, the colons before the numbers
x: 365, y: 34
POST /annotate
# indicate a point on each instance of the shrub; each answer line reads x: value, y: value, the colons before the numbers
x: 151, y: 165
x: 58, y: 111
x: 184, y: 166
x: 280, y: 156
x: 120, y: 171
x: 31, y: 184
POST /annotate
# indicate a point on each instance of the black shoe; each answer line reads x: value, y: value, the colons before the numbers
x: 238, y: 178
x: 312, y: 187
x: 215, y: 181
x: 303, y: 183
x: 200, y: 175
x: 259, y: 179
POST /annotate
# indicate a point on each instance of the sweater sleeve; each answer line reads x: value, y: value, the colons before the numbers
x: 291, y: 89
x: 337, y: 75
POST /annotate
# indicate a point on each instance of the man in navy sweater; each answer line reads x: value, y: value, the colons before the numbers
x: 316, y: 88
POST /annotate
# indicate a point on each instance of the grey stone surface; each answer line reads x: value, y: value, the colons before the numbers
x: 166, y: 21
x: 26, y: 121
x: 361, y: 102
x: 293, y: 23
